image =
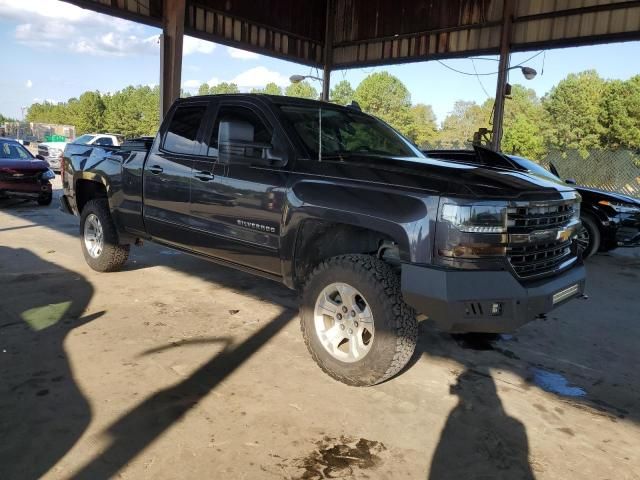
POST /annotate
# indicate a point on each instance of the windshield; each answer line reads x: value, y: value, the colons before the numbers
x: 84, y: 139
x: 534, y: 167
x: 12, y: 150
x: 345, y: 133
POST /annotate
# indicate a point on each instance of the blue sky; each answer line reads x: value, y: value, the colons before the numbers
x: 54, y: 51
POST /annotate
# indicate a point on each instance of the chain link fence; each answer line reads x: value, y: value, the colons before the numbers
x: 611, y: 170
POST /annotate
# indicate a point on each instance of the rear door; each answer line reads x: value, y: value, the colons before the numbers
x: 236, y: 209
x: 167, y: 174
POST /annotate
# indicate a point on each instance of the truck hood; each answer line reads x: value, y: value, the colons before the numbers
x: 442, y: 177
x: 17, y: 165
x: 59, y: 145
x: 604, y: 195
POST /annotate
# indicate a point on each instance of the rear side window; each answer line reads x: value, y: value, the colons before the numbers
x: 183, y: 129
x: 260, y: 133
x: 104, y: 141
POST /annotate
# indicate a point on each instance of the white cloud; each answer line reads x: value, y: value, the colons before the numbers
x: 192, y: 84
x: 49, y: 23
x: 214, y: 81
x: 259, y: 77
x: 37, y: 10
x: 241, y: 54
x: 193, y: 45
x: 29, y: 84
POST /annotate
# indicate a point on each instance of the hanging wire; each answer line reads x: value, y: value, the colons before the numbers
x: 490, y: 73
x: 478, y: 78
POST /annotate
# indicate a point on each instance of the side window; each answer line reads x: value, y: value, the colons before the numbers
x: 261, y: 133
x: 104, y: 141
x: 183, y: 129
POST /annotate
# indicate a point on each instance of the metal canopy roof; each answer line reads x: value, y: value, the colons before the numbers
x: 379, y: 32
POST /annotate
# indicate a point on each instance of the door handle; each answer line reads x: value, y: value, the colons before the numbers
x: 156, y: 169
x: 204, y: 176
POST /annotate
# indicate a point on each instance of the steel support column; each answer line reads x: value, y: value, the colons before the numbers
x: 171, y: 52
x: 503, y: 74
x: 328, y: 52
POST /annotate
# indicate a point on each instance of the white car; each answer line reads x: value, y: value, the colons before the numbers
x: 52, y: 151
x: 106, y: 139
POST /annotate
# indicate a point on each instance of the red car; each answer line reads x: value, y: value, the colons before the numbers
x: 22, y: 174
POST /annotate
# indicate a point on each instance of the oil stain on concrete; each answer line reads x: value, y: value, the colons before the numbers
x: 342, y: 457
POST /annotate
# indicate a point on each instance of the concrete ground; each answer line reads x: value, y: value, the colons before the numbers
x: 179, y: 368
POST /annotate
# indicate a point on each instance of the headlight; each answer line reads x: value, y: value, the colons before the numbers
x: 55, y: 152
x: 620, y: 207
x: 48, y: 175
x: 476, y: 218
x: 471, y: 231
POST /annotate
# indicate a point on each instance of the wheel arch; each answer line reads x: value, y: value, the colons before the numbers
x: 317, y: 240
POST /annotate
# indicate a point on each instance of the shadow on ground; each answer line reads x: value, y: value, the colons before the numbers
x: 42, y: 411
x: 480, y: 440
x: 578, y: 343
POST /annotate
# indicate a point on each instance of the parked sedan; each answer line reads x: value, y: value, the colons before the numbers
x: 23, y: 175
x: 609, y: 220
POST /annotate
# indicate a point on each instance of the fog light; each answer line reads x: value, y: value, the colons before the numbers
x: 496, y: 309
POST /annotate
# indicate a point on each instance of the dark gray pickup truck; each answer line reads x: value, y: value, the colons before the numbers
x: 336, y: 204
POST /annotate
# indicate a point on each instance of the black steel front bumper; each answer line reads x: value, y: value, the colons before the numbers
x: 462, y: 301
x: 628, y: 230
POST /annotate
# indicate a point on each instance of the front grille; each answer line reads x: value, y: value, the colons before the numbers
x: 20, y: 176
x: 539, y: 217
x: 43, y: 150
x: 538, y: 258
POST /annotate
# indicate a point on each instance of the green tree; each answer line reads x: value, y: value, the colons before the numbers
x: 342, y: 93
x: 301, y: 89
x: 385, y: 96
x: 524, y: 124
x: 86, y: 113
x: 203, y: 89
x: 620, y: 114
x: 224, y: 87
x: 4, y: 119
x: 269, y: 89
x: 423, y: 128
x: 133, y: 111
x: 48, y: 112
x: 573, y: 111
x: 463, y: 121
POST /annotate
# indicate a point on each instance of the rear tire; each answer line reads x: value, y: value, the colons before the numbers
x: 589, y: 237
x: 99, y: 238
x: 372, y: 291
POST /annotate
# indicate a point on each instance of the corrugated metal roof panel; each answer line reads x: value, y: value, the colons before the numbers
x: 549, y: 24
x: 216, y: 25
x: 377, y: 32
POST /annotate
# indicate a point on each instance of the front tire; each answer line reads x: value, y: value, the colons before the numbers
x: 354, y: 321
x: 588, y: 237
x: 99, y: 238
x: 45, y: 200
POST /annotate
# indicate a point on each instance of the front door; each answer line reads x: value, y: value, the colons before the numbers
x: 167, y: 175
x: 237, y: 208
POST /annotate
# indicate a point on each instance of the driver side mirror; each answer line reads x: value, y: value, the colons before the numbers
x: 236, y: 145
x: 570, y: 181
